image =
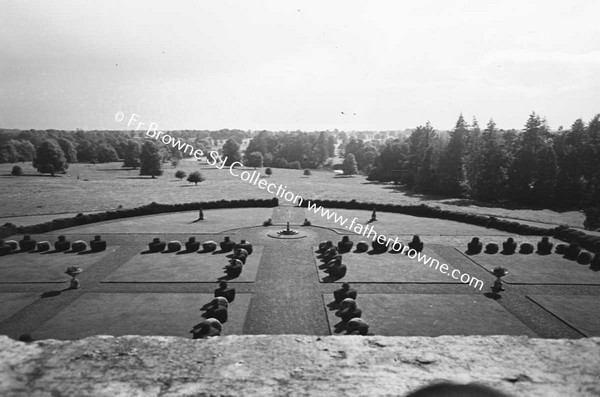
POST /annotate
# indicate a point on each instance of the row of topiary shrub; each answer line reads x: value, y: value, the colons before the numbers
x: 565, y: 233
x: 509, y: 247
x: 27, y: 244
x: 154, y: 208
x: 544, y: 247
x: 243, y: 248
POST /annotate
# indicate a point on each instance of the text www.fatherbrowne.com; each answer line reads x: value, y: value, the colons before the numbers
x: 282, y: 192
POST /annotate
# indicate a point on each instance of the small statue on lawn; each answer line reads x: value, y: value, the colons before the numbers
x: 374, y: 215
x: 200, y: 215
x: 499, y: 272
x: 73, y: 272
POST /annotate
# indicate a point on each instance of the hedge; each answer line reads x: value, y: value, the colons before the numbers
x: 149, y: 209
x: 565, y: 233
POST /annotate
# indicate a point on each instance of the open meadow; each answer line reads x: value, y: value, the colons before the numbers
x: 100, y: 187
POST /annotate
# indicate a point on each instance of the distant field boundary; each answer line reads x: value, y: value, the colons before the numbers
x: 564, y: 233
x: 9, y: 229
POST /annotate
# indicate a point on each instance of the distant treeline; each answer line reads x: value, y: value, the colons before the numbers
x: 534, y: 166
x: 531, y: 167
x: 100, y: 146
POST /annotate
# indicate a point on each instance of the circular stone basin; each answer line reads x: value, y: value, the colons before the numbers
x: 287, y: 233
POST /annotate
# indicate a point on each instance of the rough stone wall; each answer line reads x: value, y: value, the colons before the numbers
x: 295, y: 365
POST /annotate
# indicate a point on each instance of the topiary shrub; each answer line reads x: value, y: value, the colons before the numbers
x: 544, y: 247
x: 595, y: 265
x: 245, y: 245
x: 561, y: 249
x: 227, y: 245
x: 14, y: 245
x: 240, y: 254
x: 362, y: 246
x: 416, y: 244
x: 156, y: 245
x: 345, y: 245
x: 526, y: 248
x: 173, y: 246
x: 79, y: 246
x: 97, y: 244
x: 192, y: 245
x: 325, y: 245
x: 43, y: 246
x: 268, y: 222
x: 306, y: 222
x: 475, y: 246
x: 5, y: 249
x: 572, y: 251
x: 509, y: 246
x: 396, y: 248
x: 329, y: 254
x: 27, y: 244
x: 378, y: 247
x: 62, y: 244
x: 584, y: 258
x: 209, y: 246
x: 339, y: 270
x: 491, y: 248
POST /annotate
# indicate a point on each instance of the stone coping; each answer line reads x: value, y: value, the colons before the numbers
x: 296, y: 365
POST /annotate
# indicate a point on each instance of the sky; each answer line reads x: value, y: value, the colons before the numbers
x: 297, y: 65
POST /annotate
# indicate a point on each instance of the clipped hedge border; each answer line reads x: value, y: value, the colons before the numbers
x: 149, y: 209
x: 565, y: 233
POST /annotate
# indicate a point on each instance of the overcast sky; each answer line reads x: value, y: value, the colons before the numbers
x: 287, y: 65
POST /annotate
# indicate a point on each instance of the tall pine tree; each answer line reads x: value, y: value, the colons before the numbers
x: 491, y: 177
x: 452, y: 161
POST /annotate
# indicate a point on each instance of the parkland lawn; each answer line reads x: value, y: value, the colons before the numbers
x: 100, y: 187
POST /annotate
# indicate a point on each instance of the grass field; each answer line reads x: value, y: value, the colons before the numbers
x: 88, y: 187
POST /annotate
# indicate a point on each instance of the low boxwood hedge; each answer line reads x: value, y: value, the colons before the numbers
x: 148, y: 209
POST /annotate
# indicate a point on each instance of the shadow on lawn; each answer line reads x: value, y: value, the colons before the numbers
x: 135, y: 177
x: 51, y: 294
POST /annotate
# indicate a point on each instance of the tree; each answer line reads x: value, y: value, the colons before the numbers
x: 150, y: 159
x: 473, y: 157
x: 268, y: 171
x: 523, y: 171
x: 195, y: 177
x: 419, y: 142
x: 349, y: 165
x: 231, y: 152
x: 331, y: 141
x: 180, y: 174
x: 17, y: 171
x: 25, y: 149
x: 452, y: 162
x: 546, y: 176
x: 492, y: 160
x: 254, y: 159
x: 106, y: 153
x: 390, y: 161
x: 86, y: 152
x: 307, y: 172
x: 132, y: 154
x: 8, y: 153
x: 49, y: 158
x: 427, y: 178
x: 68, y: 149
